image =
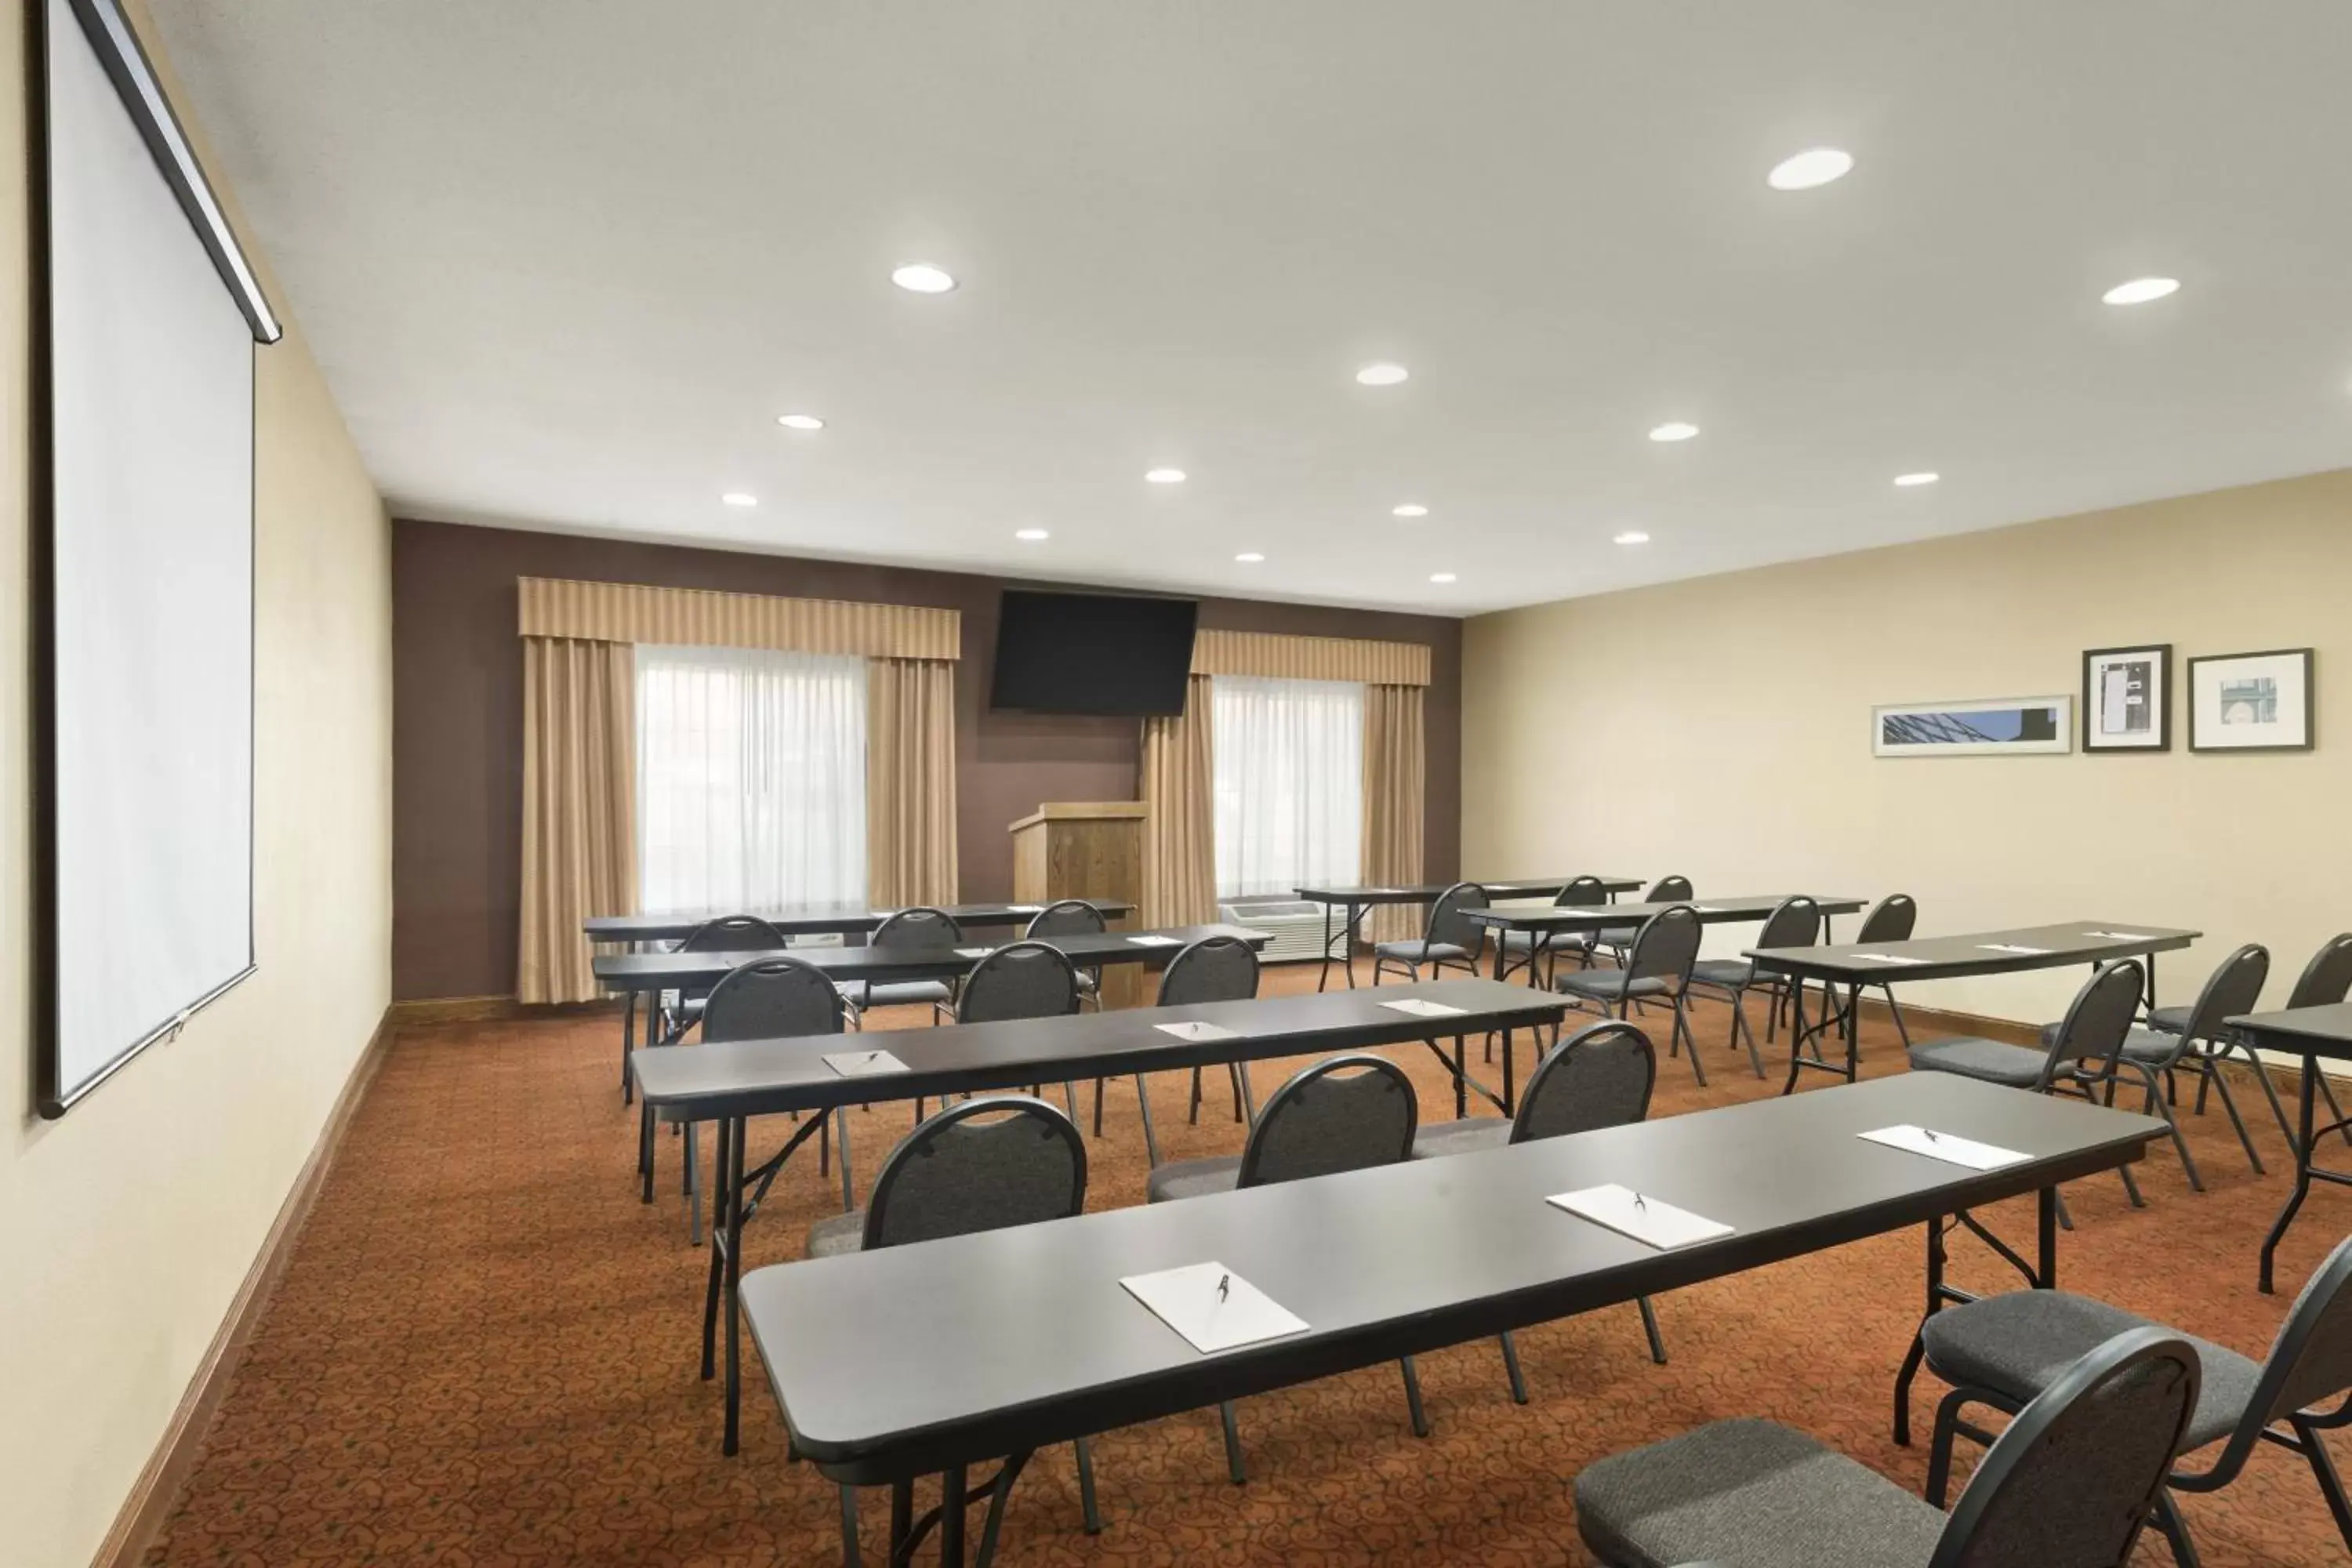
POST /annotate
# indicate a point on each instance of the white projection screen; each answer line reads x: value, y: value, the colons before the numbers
x: 143, y: 563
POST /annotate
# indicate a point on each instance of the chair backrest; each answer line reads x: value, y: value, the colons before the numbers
x: 981, y: 1165
x: 1793, y: 922
x: 1070, y: 917
x: 1599, y: 1077
x: 1344, y: 1113
x: 771, y: 997
x: 1445, y: 919
x: 1669, y: 890
x: 733, y: 934
x: 2071, y: 1482
x: 1581, y: 892
x: 2097, y: 1022
x: 1024, y: 980
x: 1665, y: 947
x: 2310, y: 1361
x: 2327, y: 978
x: 1891, y: 918
x: 921, y: 926
x: 2232, y: 989
x: 1213, y: 969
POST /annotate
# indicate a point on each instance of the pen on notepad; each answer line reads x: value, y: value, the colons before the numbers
x: 1224, y: 1283
x: 1930, y: 1137
x: 1640, y: 1205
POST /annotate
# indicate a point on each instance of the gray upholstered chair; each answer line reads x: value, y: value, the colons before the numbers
x: 1657, y: 968
x: 2083, y: 1057
x: 1020, y: 979
x: 2003, y: 1351
x: 1893, y: 918
x: 1521, y: 948
x: 1213, y: 969
x: 1794, y: 922
x: 2069, y: 1485
x: 728, y: 933
x: 1447, y: 942
x: 1600, y: 1075
x: 1344, y: 1113
x: 921, y: 926
x: 1615, y: 940
x: 981, y: 1165
x: 1072, y: 916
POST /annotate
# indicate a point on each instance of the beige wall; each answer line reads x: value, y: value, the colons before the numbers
x: 126, y: 1228
x: 1721, y: 728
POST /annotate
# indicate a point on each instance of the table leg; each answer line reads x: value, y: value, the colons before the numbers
x: 1796, y: 1030
x: 1918, y: 1351
x: 1324, y: 978
x: 734, y: 1185
x: 1462, y: 1077
x: 952, y: 1507
x: 1348, y: 956
x: 1500, y: 949
x: 628, y: 1044
x: 2307, y: 1096
x: 2045, y: 1226
x: 726, y: 1230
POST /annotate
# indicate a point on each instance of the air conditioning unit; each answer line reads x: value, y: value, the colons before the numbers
x: 1293, y: 929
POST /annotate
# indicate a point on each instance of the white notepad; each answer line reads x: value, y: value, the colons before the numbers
x: 1943, y: 1146
x: 1645, y: 1218
x: 881, y: 914
x: 862, y: 1064
x: 973, y: 951
x: 2010, y: 947
x: 1886, y: 958
x: 2120, y: 935
x: 1705, y: 910
x: 1188, y: 1300
x: 1151, y: 941
x: 1421, y: 1009
x: 1024, y: 909
x: 1195, y: 1031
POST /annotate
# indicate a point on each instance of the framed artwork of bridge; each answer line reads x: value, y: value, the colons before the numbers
x: 1988, y: 727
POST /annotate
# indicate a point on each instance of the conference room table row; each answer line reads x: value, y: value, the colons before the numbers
x: 1353, y: 903
x: 823, y: 920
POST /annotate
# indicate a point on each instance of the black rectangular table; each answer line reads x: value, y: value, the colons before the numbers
x: 1560, y: 919
x: 933, y: 1357
x: 1358, y: 903
x: 2310, y: 1034
x: 2056, y: 946
x: 819, y: 919
x: 731, y: 1082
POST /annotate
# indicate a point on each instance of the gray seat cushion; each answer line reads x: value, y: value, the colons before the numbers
x: 895, y: 993
x: 2148, y: 1046
x: 1193, y: 1178
x: 1444, y: 1138
x: 2164, y: 1020
x: 1610, y: 984
x: 839, y: 1236
x: 1419, y: 951
x: 1732, y: 972
x: 1989, y: 1061
x: 2019, y: 1343
x: 1752, y: 1493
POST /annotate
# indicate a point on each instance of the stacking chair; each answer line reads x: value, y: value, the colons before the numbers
x: 2082, y: 1056
x: 2004, y: 1350
x: 1893, y: 918
x: 1615, y: 940
x: 1796, y: 922
x: 728, y: 933
x: 1447, y: 942
x: 1022, y: 979
x: 981, y: 1165
x: 1599, y: 1077
x: 2325, y: 981
x: 919, y: 927
x: 1344, y: 1113
x: 1657, y: 967
x: 2069, y: 1485
x: 1072, y: 916
x: 1213, y: 969
x: 1581, y: 893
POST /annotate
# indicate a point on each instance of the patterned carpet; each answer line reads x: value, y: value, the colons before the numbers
x: 484, y: 1353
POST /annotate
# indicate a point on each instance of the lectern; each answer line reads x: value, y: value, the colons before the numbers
x: 1086, y: 849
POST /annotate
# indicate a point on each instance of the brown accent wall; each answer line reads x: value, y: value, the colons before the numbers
x: 457, y: 722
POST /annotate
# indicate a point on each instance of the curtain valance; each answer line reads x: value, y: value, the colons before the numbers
x: 1309, y: 658
x: 631, y: 613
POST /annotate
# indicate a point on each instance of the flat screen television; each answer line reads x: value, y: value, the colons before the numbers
x: 1092, y: 653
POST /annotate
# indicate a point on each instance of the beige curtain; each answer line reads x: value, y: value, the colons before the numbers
x: 1175, y: 779
x: 910, y: 795
x: 1394, y: 785
x: 579, y: 808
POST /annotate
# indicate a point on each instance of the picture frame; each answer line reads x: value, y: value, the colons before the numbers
x: 2263, y: 701
x: 1982, y: 727
x: 2127, y: 698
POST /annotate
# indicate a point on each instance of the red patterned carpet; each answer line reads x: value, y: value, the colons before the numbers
x: 484, y: 1353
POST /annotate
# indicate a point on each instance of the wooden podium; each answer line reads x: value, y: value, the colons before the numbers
x: 1086, y: 849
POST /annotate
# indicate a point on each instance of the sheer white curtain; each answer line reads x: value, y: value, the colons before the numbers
x: 750, y: 779
x: 1289, y: 757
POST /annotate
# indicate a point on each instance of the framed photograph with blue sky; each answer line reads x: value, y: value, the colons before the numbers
x: 2127, y: 698
x: 2252, y: 701
x: 1988, y: 727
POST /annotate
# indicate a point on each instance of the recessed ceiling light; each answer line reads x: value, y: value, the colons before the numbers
x: 1410, y: 509
x: 1440, y: 576
x: 2140, y: 291
x: 1814, y: 166
x: 800, y: 421
x: 1632, y: 536
x: 739, y: 498
x: 1249, y: 557
x: 1673, y: 430
x: 1032, y: 534
x: 1382, y: 372
x: 922, y: 277
x: 1164, y: 476
x: 1909, y: 480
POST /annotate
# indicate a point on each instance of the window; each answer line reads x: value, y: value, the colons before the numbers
x: 1290, y: 758
x: 751, y: 780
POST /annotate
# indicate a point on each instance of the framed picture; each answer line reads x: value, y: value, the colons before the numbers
x: 1997, y: 726
x: 2250, y: 701
x: 2127, y: 698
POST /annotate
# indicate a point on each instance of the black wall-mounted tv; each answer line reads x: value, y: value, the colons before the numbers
x: 1092, y: 653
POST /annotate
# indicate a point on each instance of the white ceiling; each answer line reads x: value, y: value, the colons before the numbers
x: 564, y: 261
